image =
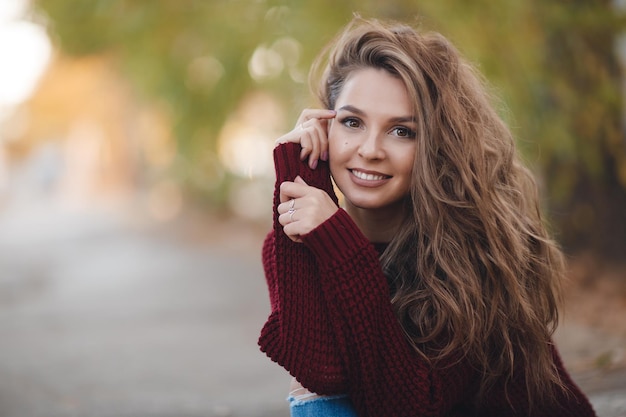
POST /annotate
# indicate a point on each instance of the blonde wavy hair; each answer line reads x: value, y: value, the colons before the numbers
x: 473, y: 271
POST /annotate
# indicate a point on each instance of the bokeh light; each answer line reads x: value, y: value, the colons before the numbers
x: 25, y: 50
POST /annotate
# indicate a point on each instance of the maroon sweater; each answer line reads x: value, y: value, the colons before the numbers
x: 332, y: 325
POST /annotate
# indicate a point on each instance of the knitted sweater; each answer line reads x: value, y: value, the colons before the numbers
x: 332, y: 325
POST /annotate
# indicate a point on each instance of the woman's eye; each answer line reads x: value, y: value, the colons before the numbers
x: 403, y: 132
x: 352, y: 123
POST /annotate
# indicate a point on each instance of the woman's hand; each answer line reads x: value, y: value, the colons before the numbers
x: 302, y: 208
x: 311, y: 132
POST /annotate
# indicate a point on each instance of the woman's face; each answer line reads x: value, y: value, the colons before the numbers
x: 372, y: 141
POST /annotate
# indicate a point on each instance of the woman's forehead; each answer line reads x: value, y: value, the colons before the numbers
x: 373, y: 90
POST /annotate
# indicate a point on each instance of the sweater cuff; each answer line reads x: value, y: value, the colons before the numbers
x: 336, y: 238
x: 287, y: 161
x: 288, y: 166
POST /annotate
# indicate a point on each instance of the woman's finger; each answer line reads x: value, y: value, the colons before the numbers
x: 299, y: 180
x: 291, y: 190
x: 311, y: 132
x: 321, y: 140
x: 302, y: 129
x: 308, y: 114
x: 315, y: 142
x: 291, y: 136
x: 286, y: 206
x: 303, y: 208
x: 310, y: 147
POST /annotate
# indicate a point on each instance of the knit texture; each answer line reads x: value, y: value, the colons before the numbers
x: 332, y: 325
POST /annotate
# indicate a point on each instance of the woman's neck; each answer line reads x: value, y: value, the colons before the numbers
x: 378, y: 225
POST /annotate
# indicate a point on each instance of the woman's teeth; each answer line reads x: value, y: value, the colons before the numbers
x: 367, y: 177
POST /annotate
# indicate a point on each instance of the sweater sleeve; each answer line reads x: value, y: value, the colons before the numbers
x: 386, y: 376
x: 298, y: 334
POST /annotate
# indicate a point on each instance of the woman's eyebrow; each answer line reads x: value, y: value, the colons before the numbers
x: 356, y: 110
x: 403, y: 119
x: 352, y: 109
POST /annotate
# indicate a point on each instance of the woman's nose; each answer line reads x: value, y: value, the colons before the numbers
x: 370, y: 147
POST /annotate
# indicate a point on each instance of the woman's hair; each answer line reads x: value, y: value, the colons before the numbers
x: 473, y: 272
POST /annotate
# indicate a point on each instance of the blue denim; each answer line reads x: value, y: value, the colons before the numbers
x: 332, y: 406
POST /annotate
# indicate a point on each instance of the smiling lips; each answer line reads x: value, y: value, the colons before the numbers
x: 368, y: 176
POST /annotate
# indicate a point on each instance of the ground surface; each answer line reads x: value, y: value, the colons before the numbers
x: 105, y: 313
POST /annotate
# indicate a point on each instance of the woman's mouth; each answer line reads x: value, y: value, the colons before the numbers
x: 368, y: 176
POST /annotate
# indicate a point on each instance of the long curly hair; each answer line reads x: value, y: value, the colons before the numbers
x: 473, y: 271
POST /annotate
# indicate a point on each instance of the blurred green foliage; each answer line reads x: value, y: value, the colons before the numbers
x: 553, y: 62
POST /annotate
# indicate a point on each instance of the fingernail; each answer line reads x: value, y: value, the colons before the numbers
x: 324, y: 156
x: 314, y: 164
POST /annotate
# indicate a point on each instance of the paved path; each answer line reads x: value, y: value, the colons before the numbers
x: 101, y: 317
x: 104, y: 315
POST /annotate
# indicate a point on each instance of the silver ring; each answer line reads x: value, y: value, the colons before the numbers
x: 293, y: 203
x: 291, y: 211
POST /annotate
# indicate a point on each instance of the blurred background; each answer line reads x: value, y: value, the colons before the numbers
x: 136, y: 181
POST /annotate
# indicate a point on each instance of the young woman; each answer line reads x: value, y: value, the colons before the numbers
x: 433, y: 290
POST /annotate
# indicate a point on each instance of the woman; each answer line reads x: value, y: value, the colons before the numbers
x: 433, y: 291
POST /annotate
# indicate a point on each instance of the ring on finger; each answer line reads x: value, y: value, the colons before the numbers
x: 291, y: 212
x: 293, y: 203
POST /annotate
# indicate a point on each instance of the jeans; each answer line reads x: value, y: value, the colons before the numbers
x: 332, y: 406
